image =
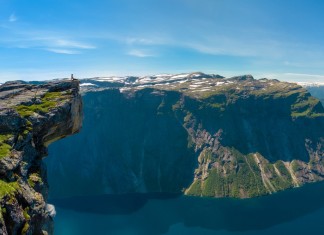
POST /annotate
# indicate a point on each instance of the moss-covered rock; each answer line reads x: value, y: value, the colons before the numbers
x: 30, y: 117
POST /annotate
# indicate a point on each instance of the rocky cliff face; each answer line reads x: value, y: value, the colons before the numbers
x: 317, y: 91
x: 199, y: 134
x: 31, y: 117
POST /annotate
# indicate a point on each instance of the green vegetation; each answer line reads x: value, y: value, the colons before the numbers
x: 221, y: 96
x: 248, y: 177
x: 26, y: 131
x: 207, y: 155
x: 240, y: 178
x: 27, y: 218
x: 25, y: 228
x: 214, y: 185
x: 5, y: 148
x: 226, y: 89
x: 44, y: 107
x: 33, y: 179
x: 48, y: 101
x: 278, y: 90
x: 7, y: 188
x: 282, y: 169
x: 195, y: 188
x: 306, y: 106
x: 233, y: 91
x: 294, y: 166
x: 279, y: 181
x: 29, y: 125
x: 25, y: 212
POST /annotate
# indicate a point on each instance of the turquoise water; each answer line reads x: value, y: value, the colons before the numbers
x: 298, y: 211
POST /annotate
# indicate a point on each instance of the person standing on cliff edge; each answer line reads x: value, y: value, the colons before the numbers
x: 72, y: 78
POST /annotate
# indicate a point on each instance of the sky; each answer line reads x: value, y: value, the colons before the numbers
x: 46, y: 39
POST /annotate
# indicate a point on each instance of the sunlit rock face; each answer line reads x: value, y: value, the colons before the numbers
x: 196, y: 134
x: 31, y: 117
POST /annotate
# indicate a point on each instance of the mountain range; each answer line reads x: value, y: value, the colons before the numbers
x: 197, y: 134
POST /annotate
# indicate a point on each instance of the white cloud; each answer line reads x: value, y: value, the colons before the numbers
x: 151, y: 40
x: 212, y: 44
x: 140, y: 53
x: 12, y: 18
x: 233, y: 46
x: 139, y: 41
x: 57, y: 42
x: 63, y: 51
x: 72, y: 44
x: 53, y: 41
x: 219, y: 49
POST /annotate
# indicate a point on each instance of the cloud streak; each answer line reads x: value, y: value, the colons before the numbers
x: 12, y: 18
x: 140, y: 53
x: 51, y: 41
x: 71, y: 44
x: 209, y: 44
x: 267, y: 51
x: 63, y: 51
x: 58, y: 44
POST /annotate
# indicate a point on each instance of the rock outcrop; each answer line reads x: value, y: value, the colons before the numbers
x: 31, y: 117
x: 197, y: 134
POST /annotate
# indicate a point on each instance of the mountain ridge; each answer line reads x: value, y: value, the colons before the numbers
x: 203, y: 136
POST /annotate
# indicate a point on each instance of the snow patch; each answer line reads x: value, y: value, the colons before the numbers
x: 183, y: 81
x: 195, y: 75
x: 180, y: 76
x: 88, y: 84
x: 163, y: 75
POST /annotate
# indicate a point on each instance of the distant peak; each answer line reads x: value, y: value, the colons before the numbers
x: 243, y: 77
x: 197, y: 75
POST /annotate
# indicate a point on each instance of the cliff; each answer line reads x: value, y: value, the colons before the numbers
x: 198, y: 134
x: 31, y: 117
x: 317, y: 91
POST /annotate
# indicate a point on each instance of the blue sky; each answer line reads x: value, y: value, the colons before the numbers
x: 44, y: 39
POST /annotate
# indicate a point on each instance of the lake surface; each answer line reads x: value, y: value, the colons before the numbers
x: 297, y: 211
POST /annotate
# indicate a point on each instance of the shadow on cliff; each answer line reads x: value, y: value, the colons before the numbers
x: 156, y: 213
x: 260, y: 124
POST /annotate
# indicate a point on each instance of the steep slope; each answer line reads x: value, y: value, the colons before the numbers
x: 317, y: 91
x: 198, y: 134
x: 31, y: 117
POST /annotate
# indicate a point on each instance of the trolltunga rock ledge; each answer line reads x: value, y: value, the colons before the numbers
x: 31, y: 117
